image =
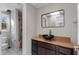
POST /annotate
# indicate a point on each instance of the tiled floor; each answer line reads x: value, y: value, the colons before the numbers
x: 12, y: 51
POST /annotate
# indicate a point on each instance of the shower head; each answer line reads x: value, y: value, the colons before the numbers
x: 7, y: 12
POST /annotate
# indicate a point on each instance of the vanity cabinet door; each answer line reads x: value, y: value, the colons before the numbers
x: 41, y: 51
x: 34, y: 53
x: 34, y: 47
x: 64, y: 51
x: 46, y: 49
x: 47, y: 45
x: 50, y: 52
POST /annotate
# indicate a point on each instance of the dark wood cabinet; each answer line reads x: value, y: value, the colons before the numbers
x: 64, y: 50
x: 50, y: 52
x: 34, y: 47
x: 45, y: 48
x: 42, y: 48
x: 41, y: 51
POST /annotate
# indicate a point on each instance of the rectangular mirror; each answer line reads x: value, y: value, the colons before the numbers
x: 53, y: 19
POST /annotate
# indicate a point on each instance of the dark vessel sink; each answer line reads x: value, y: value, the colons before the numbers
x: 48, y: 37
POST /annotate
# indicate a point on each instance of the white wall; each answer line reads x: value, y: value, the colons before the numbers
x: 78, y: 27
x: 70, y: 28
x: 11, y: 6
x: 29, y: 27
x: 32, y: 19
x: 78, y: 24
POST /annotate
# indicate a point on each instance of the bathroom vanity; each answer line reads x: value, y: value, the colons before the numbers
x: 56, y: 46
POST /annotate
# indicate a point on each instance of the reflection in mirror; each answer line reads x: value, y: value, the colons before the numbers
x: 4, y: 19
x: 3, y: 25
x: 53, y: 19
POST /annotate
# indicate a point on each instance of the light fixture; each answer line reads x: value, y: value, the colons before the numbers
x: 55, y: 13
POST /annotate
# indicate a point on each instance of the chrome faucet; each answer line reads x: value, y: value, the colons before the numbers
x: 50, y: 32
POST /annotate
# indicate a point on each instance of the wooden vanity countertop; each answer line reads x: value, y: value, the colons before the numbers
x: 61, y: 41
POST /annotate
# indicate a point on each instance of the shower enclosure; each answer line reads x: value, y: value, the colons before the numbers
x: 11, y: 29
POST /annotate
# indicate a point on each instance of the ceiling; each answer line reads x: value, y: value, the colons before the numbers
x: 39, y: 5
